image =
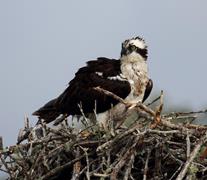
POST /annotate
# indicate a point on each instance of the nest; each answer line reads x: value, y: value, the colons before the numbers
x: 153, y: 146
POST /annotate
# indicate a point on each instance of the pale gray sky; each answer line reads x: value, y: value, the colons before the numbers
x: 43, y: 43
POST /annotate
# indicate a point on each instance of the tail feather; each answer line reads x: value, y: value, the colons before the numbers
x: 48, y: 112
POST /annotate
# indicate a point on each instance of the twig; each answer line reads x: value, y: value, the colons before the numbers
x: 146, y: 109
x: 108, y: 93
x: 60, y: 119
x: 155, y: 100
x: 160, y: 107
x: 139, y: 105
x: 85, y: 119
x: 176, y: 172
x: 58, y: 169
x: 196, y: 126
x: 1, y: 143
x: 120, y: 136
x: 164, y: 151
x: 129, y: 167
x: 100, y: 175
x: 76, y: 166
x: 23, y: 166
x: 124, y: 159
x: 186, y: 113
x: 188, y: 145
x: 157, y: 115
x: 192, y: 157
x: 87, y: 163
x: 158, y: 158
x: 4, y: 170
x: 35, y: 163
x: 168, y: 124
x: 24, y: 133
x: 163, y: 132
x: 146, y: 165
x: 7, y: 168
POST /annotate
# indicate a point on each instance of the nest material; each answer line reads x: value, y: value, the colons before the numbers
x: 142, y: 150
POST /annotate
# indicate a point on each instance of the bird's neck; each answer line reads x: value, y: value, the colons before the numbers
x: 134, y: 67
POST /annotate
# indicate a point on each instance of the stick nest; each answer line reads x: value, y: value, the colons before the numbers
x: 143, y: 149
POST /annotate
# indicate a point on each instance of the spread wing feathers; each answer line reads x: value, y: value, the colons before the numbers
x: 48, y: 112
x: 103, y: 73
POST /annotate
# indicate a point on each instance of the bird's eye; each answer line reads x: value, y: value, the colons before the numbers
x: 132, y: 47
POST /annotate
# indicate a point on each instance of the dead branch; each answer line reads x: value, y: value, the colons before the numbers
x: 146, y: 165
x: 192, y: 157
x: 1, y: 143
x: 169, y: 150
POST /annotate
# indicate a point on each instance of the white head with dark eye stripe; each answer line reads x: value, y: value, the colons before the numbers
x: 134, y: 46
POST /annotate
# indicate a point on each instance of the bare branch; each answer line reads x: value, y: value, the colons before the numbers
x: 146, y: 165
x: 1, y: 143
x: 192, y: 157
x: 136, y: 150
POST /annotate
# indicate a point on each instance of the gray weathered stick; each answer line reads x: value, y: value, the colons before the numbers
x: 192, y: 157
x: 1, y: 143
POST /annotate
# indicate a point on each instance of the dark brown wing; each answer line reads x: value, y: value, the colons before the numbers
x: 148, y: 90
x: 48, y: 112
x: 81, y: 90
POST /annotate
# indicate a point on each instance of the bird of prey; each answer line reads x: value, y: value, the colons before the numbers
x: 126, y: 77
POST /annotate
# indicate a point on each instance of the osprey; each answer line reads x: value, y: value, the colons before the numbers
x: 126, y: 77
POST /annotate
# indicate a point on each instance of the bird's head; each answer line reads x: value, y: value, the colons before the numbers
x: 135, y: 47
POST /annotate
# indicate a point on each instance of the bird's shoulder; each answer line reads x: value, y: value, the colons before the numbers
x: 102, y: 72
x: 95, y: 70
x: 101, y: 66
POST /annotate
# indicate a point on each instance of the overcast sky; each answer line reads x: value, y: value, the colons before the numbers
x: 43, y: 43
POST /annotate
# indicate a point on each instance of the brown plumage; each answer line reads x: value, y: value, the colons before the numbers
x: 105, y: 73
